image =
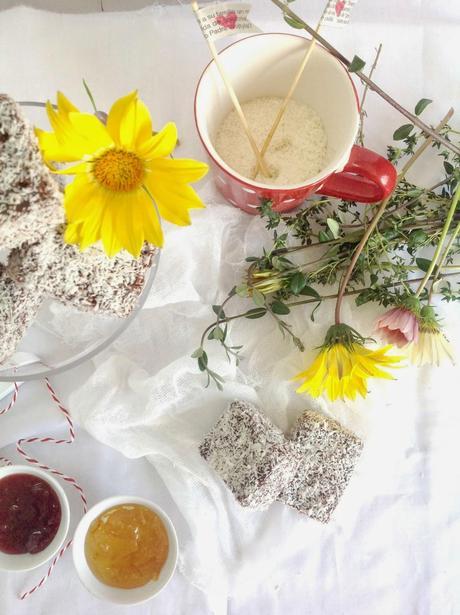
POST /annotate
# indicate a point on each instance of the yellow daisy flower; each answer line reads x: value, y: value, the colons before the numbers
x: 343, y: 366
x: 122, y: 170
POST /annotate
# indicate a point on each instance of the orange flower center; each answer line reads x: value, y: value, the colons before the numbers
x: 119, y: 170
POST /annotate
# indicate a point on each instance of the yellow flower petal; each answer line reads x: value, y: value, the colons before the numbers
x: 81, y: 197
x: 314, y: 376
x: 367, y: 369
x: 64, y: 105
x: 150, y: 222
x: 53, y: 144
x: 85, y: 210
x: 76, y: 169
x: 159, y: 145
x: 116, y: 116
x: 174, y: 201
x: 51, y: 149
x: 341, y: 371
x: 110, y: 240
x: 317, y: 367
x: 91, y: 228
x: 180, y: 170
x: 126, y: 224
x: 72, y: 233
x: 75, y: 134
x: 142, y: 123
x: 354, y: 385
x: 87, y: 129
x: 129, y: 122
x: 59, y: 122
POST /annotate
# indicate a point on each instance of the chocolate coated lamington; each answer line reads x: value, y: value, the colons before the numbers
x: 329, y: 454
x: 30, y: 199
x: 251, y: 455
x: 19, y: 305
x: 89, y: 280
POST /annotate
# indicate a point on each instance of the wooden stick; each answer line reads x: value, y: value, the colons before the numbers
x: 295, y: 83
x: 363, y: 98
x: 233, y: 97
x: 372, y: 86
x: 379, y: 213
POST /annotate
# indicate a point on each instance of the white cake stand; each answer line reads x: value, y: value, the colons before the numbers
x: 62, y: 338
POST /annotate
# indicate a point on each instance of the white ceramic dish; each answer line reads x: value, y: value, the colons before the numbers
x: 29, y: 561
x: 113, y: 594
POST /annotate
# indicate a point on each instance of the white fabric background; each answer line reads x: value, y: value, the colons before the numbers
x: 393, y: 547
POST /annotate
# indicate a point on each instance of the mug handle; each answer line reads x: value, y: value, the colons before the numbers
x: 367, y: 178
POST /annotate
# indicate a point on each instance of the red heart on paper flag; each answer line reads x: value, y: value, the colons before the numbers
x: 339, y: 6
x: 227, y: 20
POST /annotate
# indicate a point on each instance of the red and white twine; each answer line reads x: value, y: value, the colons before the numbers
x: 32, y: 460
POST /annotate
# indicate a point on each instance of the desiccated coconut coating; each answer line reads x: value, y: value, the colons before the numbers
x: 250, y: 454
x: 18, y: 308
x: 329, y: 454
x: 89, y: 280
x: 30, y: 200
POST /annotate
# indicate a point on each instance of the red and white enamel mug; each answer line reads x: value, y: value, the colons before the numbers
x: 265, y: 65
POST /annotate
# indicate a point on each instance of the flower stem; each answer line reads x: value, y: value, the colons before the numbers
x: 356, y: 291
x: 90, y: 95
x: 449, y: 246
x: 437, y: 253
x: 413, y: 201
x: 379, y: 213
x: 357, y: 252
x: 363, y: 98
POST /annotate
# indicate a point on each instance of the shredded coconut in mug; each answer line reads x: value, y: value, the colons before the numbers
x: 297, y: 151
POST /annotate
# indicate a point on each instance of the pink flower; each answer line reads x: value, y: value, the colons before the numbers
x: 399, y: 326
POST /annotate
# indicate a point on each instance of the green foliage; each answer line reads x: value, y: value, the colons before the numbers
x: 422, y: 105
x: 403, y: 132
x: 294, y: 23
x: 311, y: 249
x: 423, y: 263
x: 356, y: 65
x: 334, y: 227
x: 297, y: 282
x: 278, y: 307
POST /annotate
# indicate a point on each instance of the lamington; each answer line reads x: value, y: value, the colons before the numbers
x: 88, y: 280
x: 329, y: 454
x: 19, y: 305
x: 251, y: 455
x: 30, y: 199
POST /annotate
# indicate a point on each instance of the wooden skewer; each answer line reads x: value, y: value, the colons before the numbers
x: 236, y: 103
x: 295, y: 83
x: 365, y: 79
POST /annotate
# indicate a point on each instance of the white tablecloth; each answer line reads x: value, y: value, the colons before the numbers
x: 394, y: 547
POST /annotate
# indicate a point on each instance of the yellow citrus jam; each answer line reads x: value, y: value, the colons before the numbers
x: 127, y: 546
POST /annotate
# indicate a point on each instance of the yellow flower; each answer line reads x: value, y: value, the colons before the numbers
x: 122, y: 170
x: 344, y: 365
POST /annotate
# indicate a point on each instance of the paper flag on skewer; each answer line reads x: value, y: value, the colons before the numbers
x: 225, y: 19
x: 337, y: 12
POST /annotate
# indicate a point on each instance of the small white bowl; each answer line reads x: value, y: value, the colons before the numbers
x: 28, y: 561
x: 114, y: 594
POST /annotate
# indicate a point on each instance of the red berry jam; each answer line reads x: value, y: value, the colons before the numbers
x: 30, y: 514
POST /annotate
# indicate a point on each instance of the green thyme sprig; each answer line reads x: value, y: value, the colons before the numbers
x: 311, y: 249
